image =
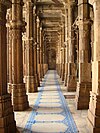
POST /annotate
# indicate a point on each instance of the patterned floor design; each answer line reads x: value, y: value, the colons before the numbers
x: 50, y: 113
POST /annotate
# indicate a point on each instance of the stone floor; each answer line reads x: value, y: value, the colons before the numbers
x: 47, y: 117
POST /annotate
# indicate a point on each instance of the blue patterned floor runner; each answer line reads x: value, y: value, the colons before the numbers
x: 60, y: 105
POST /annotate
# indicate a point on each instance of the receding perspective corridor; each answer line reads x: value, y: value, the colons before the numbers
x: 49, y: 112
x: 49, y: 66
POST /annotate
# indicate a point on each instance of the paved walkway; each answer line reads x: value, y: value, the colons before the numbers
x: 50, y: 113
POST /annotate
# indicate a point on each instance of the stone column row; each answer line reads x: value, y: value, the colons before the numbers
x: 7, y: 123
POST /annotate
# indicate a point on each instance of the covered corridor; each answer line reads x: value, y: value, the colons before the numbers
x: 50, y: 66
x: 50, y: 112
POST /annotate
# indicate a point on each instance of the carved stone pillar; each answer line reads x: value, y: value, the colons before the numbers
x: 41, y: 53
x: 94, y: 106
x: 60, y: 48
x: 45, y: 59
x: 9, y: 50
x: 84, y: 85
x: 62, y: 52
x: 71, y: 78
x: 67, y: 46
x: 7, y: 123
x: 30, y: 75
x: 63, y: 63
x: 58, y: 57
x: 19, y: 97
x: 35, y: 48
x: 38, y: 47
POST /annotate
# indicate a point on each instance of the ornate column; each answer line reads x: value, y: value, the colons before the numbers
x: 58, y: 56
x: 7, y: 123
x: 45, y: 60
x: 71, y: 78
x: 41, y: 53
x: 84, y: 85
x: 30, y: 72
x: 63, y: 51
x: 9, y: 50
x: 94, y: 106
x: 67, y: 46
x: 19, y: 97
x: 60, y: 41
x: 38, y: 47
x: 35, y: 47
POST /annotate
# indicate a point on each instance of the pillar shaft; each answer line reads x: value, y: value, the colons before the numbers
x: 94, y: 106
x: 63, y: 51
x: 18, y: 87
x: 30, y: 75
x: 45, y: 63
x: 9, y: 50
x: 35, y: 47
x: 84, y: 84
x: 6, y: 109
x: 41, y: 53
x: 71, y: 79
x: 38, y: 48
x: 67, y: 47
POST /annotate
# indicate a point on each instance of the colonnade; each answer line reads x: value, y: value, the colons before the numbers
x: 82, y: 55
x: 23, y: 58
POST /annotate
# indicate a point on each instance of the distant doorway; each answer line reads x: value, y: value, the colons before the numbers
x: 52, y: 59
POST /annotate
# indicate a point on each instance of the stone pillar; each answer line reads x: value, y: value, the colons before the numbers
x: 94, y: 106
x: 63, y: 51
x: 38, y: 47
x: 61, y: 48
x: 30, y: 75
x: 35, y: 48
x: 59, y: 55
x: 45, y: 59
x: 41, y: 53
x: 67, y: 46
x: 71, y: 78
x: 9, y: 50
x: 7, y: 123
x: 84, y: 85
x: 19, y: 97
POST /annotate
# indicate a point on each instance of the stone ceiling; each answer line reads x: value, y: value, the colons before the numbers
x: 51, y: 13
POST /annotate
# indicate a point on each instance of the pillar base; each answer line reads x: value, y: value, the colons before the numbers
x: 19, y: 97
x: 65, y: 80
x: 71, y: 83
x: 58, y: 69
x: 37, y: 80
x: 83, y: 95
x: 45, y: 67
x: 63, y: 71
x: 39, y: 72
x: 9, y: 87
x: 7, y: 122
x: 66, y: 74
x: 94, y: 113
x: 31, y: 85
